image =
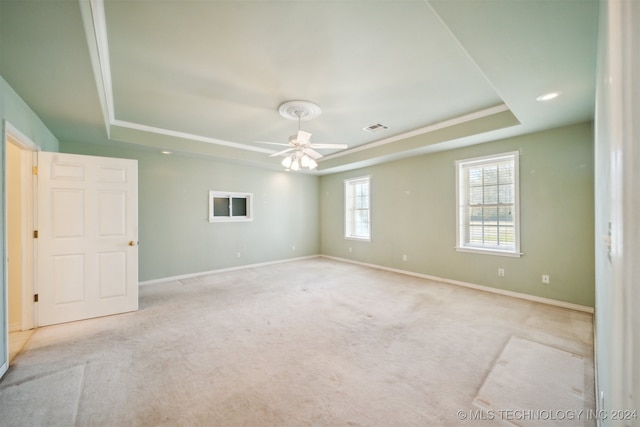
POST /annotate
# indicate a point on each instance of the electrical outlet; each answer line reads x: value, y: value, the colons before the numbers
x: 350, y: 250
x: 501, y: 272
x: 238, y: 254
x: 404, y: 257
x: 293, y: 248
x: 545, y: 278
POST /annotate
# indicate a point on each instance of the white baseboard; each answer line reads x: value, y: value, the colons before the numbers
x: 221, y: 270
x: 15, y: 326
x: 498, y: 291
x: 519, y: 295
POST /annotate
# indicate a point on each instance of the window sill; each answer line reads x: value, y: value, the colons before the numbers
x: 360, y: 239
x: 230, y: 219
x: 489, y: 252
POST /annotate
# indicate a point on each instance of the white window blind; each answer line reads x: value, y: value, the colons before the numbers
x: 488, y: 208
x: 357, y: 208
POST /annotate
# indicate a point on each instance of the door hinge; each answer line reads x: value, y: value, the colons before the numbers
x: 35, y: 170
x: 35, y: 297
x: 35, y: 234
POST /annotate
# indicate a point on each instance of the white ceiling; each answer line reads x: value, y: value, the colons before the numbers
x: 205, y: 78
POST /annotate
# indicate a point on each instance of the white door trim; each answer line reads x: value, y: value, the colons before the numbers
x: 10, y: 132
x: 29, y: 148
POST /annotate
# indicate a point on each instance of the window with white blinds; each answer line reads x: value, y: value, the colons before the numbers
x: 357, y: 208
x: 488, y: 206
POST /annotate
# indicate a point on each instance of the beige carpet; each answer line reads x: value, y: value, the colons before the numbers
x: 532, y: 382
x: 305, y: 343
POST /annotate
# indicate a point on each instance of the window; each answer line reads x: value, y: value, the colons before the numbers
x: 225, y: 206
x: 487, y: 215
x: 357, y: 208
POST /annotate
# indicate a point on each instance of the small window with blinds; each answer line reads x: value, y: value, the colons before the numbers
x: 357, y: 208
x: 488, y: 206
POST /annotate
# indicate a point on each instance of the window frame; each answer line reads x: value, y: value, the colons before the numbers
x: 349, y: 209
x: 248, y: 214
x: 461, y: 205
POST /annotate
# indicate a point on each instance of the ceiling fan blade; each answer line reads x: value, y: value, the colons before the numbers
x: 312, y: 153
x: 282, y: 152
x: 303, y: 137
x: 273, y: 143
x: 314, y: 145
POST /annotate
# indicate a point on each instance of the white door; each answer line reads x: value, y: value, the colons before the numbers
x: 87, y: 244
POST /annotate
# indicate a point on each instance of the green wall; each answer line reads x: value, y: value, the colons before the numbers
x: 413, y: 213
x: 175, y: 235
x: 14, y: 110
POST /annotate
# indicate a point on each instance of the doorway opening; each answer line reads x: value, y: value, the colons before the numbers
x: 19, y: 226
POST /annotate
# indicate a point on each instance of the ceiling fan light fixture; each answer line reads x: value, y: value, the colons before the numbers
x: 312, y: 164
x: 286, y: 162
x: 295, y: 165
x: 301, y: 149
x: 299, y: 160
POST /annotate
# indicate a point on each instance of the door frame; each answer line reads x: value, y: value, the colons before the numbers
x: 12, y: 135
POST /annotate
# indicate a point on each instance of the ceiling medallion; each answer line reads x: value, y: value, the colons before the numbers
x: 299, y: 110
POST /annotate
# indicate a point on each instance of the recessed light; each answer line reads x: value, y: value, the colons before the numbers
x: 166, y: 152
x: 548, y: 96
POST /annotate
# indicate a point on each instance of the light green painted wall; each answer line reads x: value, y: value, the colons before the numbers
x: 14, y: 110
x: 175, y: 235
x: 413, y: 213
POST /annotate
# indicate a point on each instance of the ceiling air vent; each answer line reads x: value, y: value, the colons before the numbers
x: 375, y: 128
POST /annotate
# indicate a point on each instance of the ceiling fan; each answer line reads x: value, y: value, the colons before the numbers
x: 302, y: 150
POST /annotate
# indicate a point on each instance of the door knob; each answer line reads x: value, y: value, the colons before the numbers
x: 132, y: 243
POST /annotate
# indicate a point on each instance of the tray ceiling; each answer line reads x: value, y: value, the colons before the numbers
x: 206, y: 78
